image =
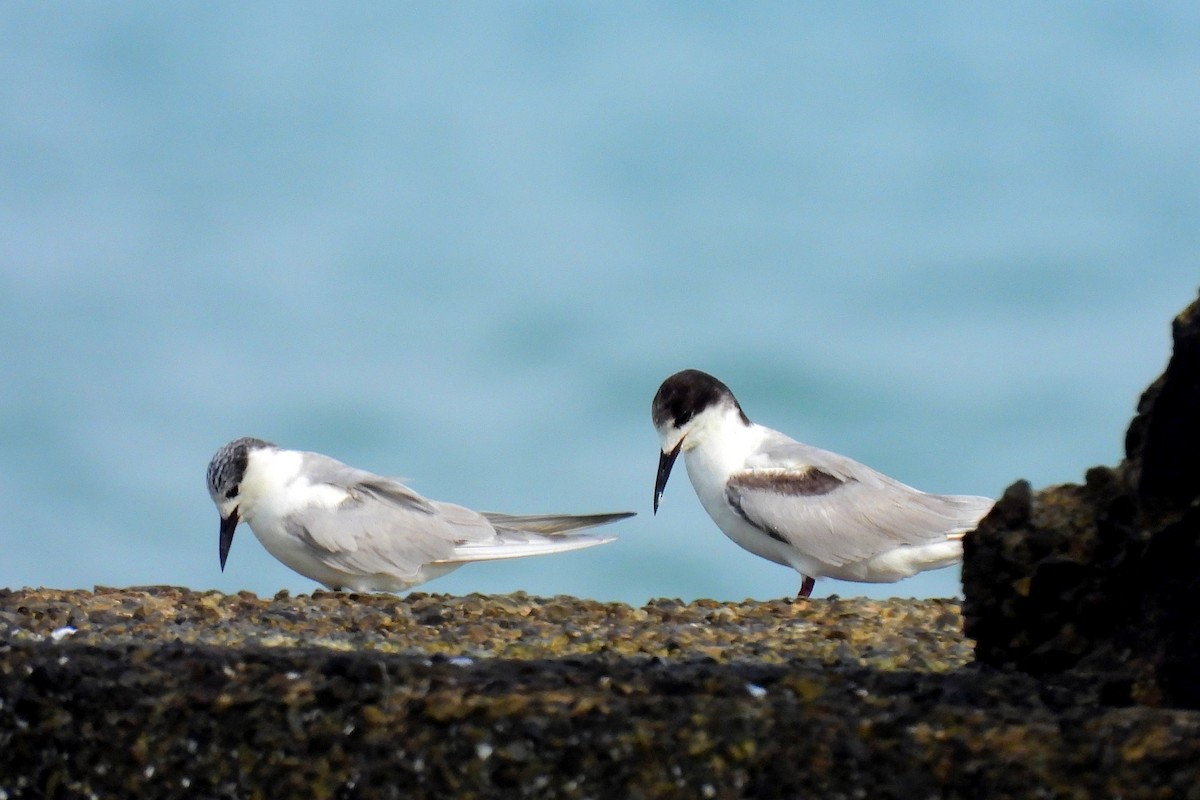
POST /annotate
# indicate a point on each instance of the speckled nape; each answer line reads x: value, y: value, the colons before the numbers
x: 228, y: 465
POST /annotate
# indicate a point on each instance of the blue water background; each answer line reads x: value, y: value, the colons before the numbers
x: 463, y: 244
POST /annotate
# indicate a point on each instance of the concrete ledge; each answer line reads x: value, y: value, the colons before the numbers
x: 163, y: 692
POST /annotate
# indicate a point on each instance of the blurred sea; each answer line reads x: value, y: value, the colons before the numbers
x: 463, y: 244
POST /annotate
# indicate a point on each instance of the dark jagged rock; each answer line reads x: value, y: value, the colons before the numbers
x: 1163, y: 442
x: 1102, y: 578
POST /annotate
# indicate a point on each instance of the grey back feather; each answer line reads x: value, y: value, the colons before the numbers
x: 552, y: 524
x: 384, y: 526
x: 838, y: 510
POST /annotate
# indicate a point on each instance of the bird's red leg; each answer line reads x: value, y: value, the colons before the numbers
x: 806, y: 588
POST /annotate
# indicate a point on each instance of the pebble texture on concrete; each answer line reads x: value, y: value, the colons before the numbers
x: 164, y: 692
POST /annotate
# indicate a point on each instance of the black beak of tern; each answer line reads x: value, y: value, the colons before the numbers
x: 228, y: 524
x: 665, y: 462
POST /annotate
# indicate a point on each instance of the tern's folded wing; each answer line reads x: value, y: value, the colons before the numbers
x: 553, y: 524
x: 383, y: 527
x: 838, y: 517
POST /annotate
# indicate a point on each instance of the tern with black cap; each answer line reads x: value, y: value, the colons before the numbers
x: 820, y: 513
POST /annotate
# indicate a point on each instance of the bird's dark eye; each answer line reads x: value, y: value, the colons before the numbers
x: 232, y: 493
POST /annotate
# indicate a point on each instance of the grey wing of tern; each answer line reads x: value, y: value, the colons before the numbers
x: 386, y: 527
x: 838, y: 510
x: 551, y: 524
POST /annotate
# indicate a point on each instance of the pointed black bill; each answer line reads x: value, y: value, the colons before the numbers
x: 665, y: 462
x: 228, y: 524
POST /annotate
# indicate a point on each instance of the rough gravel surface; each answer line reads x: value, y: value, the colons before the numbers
x: 165, y: 692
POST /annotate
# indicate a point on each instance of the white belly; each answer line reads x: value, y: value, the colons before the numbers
x: 708, y: 479
x: 293, y: 553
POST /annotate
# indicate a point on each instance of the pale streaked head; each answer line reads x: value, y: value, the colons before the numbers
x: 347, y: 528
x: 225, y: 474
x: 683, y: 407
